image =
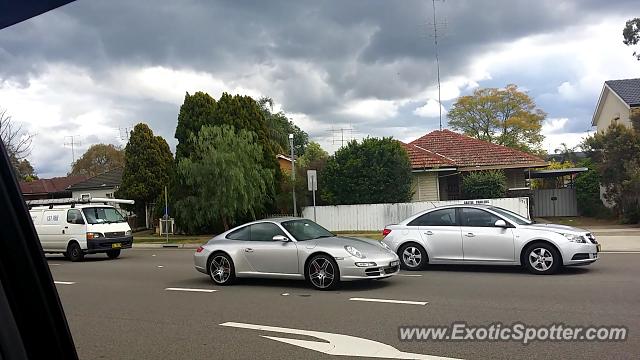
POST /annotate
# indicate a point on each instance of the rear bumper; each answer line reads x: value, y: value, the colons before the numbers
x: 106, y: 244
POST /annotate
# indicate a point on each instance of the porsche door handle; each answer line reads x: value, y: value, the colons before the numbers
x: 469, y: 235
x: 248, y: 250
x: 428, y: 232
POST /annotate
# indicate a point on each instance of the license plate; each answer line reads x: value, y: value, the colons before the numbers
x: 599, y: 247
x: 116, y: 245
x: 394, y: 263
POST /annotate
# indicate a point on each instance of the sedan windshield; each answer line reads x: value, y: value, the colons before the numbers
x: 304, y: 230
x: 520, y: 220
x: 102, y: 215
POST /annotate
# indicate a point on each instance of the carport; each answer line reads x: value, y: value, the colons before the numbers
x: 557, y: 197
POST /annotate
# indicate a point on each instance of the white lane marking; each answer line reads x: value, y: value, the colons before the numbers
x: 153, y: 255
x: 285, y: 294
x: 390, y: 301
x: 336, y: 344
x: 54, y: 264
x: 64, y: 282
x: 194, y: 290
x: 160, y: 266
x: 410, y: 275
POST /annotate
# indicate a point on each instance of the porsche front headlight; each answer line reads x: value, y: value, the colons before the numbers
x: 353, y: 251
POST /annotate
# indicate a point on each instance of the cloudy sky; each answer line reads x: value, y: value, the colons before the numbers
x: 93, y: 68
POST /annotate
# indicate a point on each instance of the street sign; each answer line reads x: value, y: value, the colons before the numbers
x: 312, y: 180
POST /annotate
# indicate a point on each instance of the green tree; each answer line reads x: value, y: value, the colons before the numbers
x: 25, y: 171
x: 490, y: 184
x: 315, y: 157
x: 588, y: 191
x: 279, y: 129
x: 148, y: 167
x: 229, y: 181
x: 373, y: 171
x: 506, y: 117
x: 616, y: 153
x: 631, y: 34
x: 99, y: 158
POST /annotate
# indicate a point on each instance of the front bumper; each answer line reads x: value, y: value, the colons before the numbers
x: 580, y: 254
x: 105, y: 244
x: 383, y: 268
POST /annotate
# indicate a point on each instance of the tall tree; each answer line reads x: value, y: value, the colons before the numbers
x: 99, y: 158
x: 315, y: 157
x: 631, y: 34
x: 196, y: 111
x: 506, y: 117
x: 616, y: 153
x: 18, y: 144
x: 148, y: 166
x: 226, y: 173
x: 279, y: 129
x: 373, y: 171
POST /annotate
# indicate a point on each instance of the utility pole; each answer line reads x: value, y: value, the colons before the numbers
x: 293, y: 176
x: 72, y: 143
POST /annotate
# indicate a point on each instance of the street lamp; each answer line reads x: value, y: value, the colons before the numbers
x: 293, y: 176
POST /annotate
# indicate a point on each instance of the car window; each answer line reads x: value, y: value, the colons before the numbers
x: 444, y: 217
x: 240, y: 234
x: 264, y: 231
x: 74, y: 216
x: 303, y: 230
x: 477, y: 218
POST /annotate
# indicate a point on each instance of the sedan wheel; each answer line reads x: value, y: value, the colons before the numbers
x: 542, y: 259
x: 413, y: 257
x: 221, y: 270
x: 323, y: 272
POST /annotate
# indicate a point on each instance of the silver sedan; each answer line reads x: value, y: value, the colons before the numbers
x: 293, y: 248
x: 480, y: 234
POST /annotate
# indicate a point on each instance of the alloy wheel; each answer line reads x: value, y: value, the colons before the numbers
x: 321, y: 273
x: 541, y: 259
x: 412, y: 256
x: 220, y: 269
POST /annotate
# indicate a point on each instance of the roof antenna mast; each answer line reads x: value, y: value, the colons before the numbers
x: 435, y: 42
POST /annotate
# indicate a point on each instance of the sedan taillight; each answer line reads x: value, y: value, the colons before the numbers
x: 386, y: 232
x: 199, y: 249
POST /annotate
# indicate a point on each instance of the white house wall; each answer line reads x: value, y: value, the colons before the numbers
x: 612, y: 108
x: 425, y: 186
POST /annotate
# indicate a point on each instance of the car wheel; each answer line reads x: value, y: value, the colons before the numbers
x: 221, y: 269
x: 541, y: 259
x: 323, y: 272
x: 113, y: 254
x: 412, y: 257
x: 74, y: 252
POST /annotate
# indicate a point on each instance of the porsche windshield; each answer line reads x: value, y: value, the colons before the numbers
x: 304, y: 230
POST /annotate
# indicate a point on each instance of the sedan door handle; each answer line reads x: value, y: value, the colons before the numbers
x: 429, y: 232
x: 469, y: 235
x: 248, y: 250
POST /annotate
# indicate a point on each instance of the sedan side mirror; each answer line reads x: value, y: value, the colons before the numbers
x: 500, y: 223
x: 280, y: 238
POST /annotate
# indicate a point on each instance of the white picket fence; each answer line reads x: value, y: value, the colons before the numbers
x: 374, y: 217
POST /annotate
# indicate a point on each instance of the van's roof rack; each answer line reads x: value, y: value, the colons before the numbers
x: 81, y: 200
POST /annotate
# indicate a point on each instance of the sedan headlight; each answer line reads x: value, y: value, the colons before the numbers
x: 353, y: 251
x: 575, y: 238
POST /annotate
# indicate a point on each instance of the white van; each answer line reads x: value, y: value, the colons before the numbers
x: 78, y: 227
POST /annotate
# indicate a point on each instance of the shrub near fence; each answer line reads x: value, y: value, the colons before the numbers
x: 374, y: 217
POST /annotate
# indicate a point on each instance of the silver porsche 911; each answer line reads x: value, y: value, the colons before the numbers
x: 293, y: 248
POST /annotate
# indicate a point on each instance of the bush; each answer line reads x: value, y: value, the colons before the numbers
x: 489, y: 184
x: 588, y: 192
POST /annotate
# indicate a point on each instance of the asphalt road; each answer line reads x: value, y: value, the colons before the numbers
x: 120, y: 309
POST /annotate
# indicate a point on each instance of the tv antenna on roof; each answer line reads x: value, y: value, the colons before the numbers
x: 435, y: 43
x: 72, y: 143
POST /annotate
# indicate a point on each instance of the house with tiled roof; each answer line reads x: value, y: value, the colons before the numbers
x: 440, y: 159
x: 100, y: 186
x: 619, y: 100
x: 54, y: 188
